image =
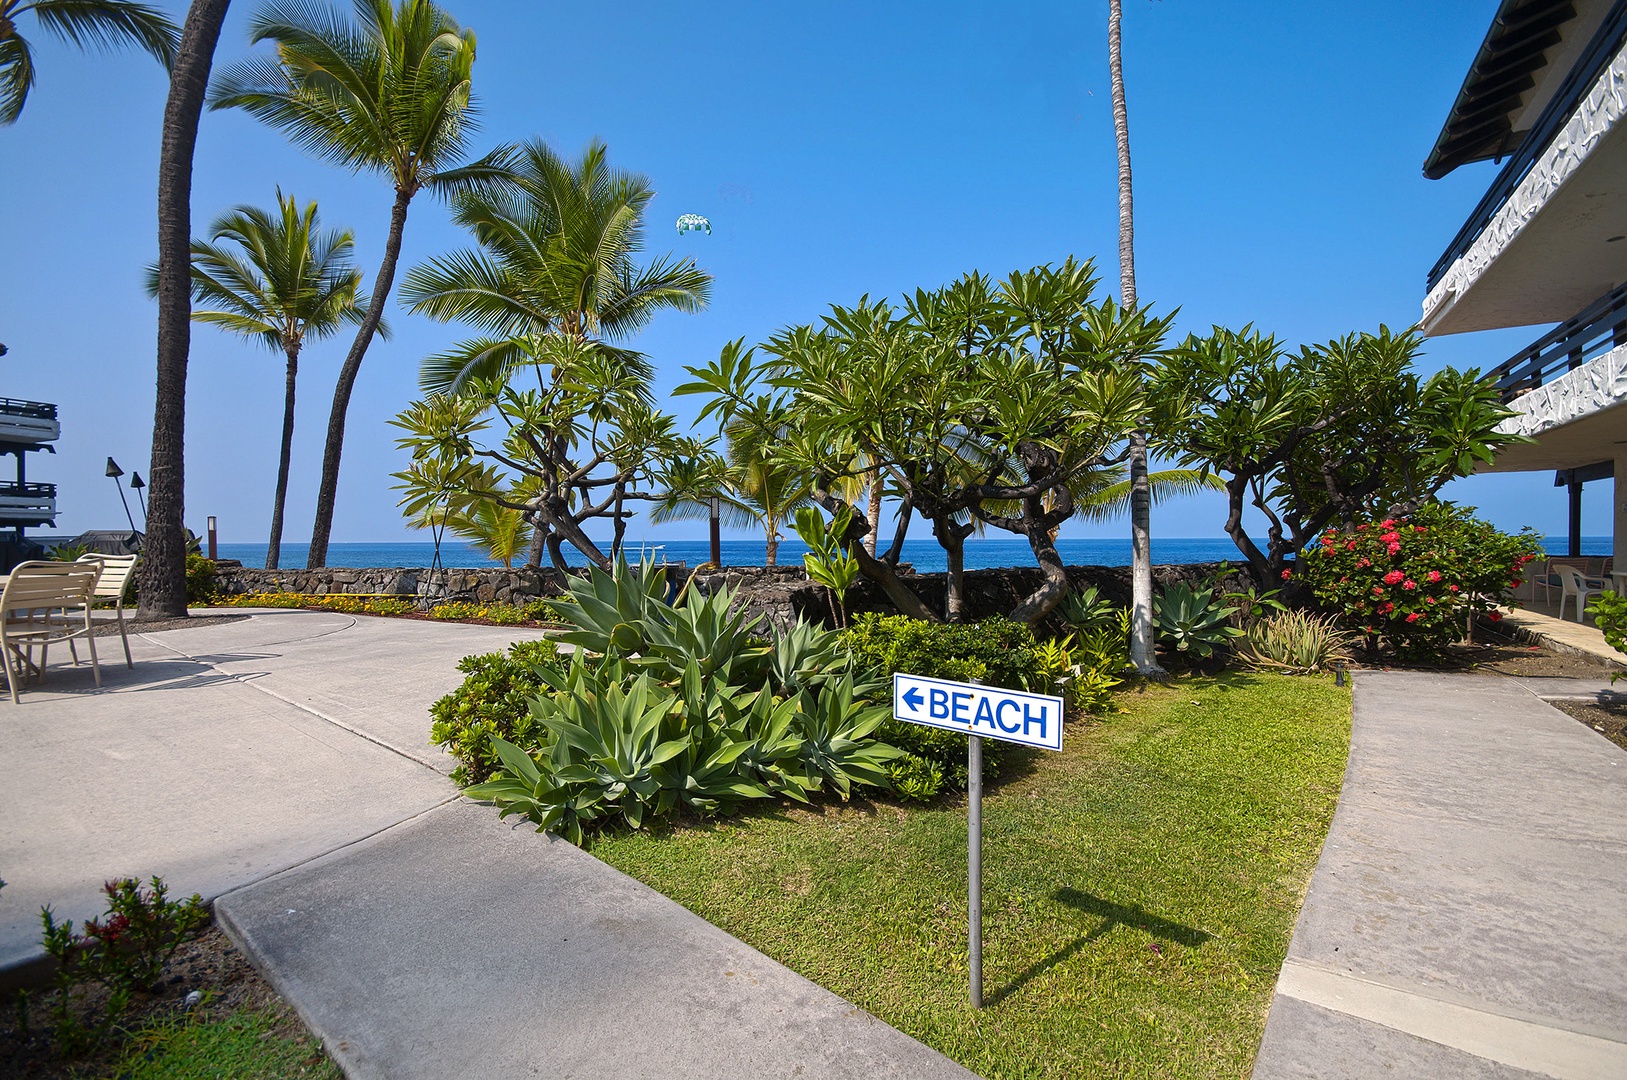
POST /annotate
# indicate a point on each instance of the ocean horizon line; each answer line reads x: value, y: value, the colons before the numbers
x: 924, y: 554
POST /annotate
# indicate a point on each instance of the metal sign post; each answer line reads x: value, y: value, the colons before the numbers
x: 981, y: 712
x: 974, y: 865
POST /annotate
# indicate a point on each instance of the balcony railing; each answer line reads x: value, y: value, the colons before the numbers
x: 11, y: 490
x: 27, y: 504
x: 37, y: 409
x: 1598, y: 328
x: 1606, y: 42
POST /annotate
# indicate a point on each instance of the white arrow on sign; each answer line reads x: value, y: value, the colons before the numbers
x: 991, y: 712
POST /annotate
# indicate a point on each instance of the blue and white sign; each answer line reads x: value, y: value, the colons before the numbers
x: 991, y: 712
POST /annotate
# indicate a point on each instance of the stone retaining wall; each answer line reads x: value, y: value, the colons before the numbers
x: 780, y: 593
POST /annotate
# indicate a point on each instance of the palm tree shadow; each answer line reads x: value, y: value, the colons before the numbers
x: 1111, y: 915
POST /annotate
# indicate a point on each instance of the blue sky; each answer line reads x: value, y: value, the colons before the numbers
x: 838, y: 149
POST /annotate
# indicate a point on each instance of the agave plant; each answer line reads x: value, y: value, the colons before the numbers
x: 602, y: 758
x: 772, y: 728
x: 805, y: 656
x: 836, y: 730
x: 610, y: 611
x: 704, y: 630
x: 1087, y: 609
x: 1293, y: 642
x: 1194, y: 621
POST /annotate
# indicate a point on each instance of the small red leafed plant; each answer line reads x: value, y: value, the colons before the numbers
x: 124, y: 951
x: 1414, y: 583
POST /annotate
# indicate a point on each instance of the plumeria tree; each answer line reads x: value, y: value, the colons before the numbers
x: 1329, y: 435
x: 750, y: 485
x: 556, y: 286
x: 982, y: 404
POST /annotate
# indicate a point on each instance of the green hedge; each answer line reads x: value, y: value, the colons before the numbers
x: 494, y: 699
x: 996, y: 651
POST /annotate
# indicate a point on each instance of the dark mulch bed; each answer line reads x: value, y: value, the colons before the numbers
x: 1608, y: 720
x: 209, y: 963
x: 152, y: 626
x: 1501, y: 658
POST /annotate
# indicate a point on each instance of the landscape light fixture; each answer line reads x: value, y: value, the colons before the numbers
x: 138, y: 483
x: 115, y: 472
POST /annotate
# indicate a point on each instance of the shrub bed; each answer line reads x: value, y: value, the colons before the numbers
x: 1414, y: 584
x: 663, y: 708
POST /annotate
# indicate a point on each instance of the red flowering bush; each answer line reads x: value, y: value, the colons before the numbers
x: 1414, y: 583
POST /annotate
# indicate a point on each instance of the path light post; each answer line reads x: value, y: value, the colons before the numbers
x: 211, y: 538
x: 715, y: 520
x: 115, y: 472
x: 139, y: 485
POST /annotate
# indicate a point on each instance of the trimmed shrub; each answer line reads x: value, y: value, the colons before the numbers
x: 996, y: 651
x: 200, y: 579
x: 343, y: 603
x: 1415, y: 583
x: 494, y: 699
x: 1609, y: 612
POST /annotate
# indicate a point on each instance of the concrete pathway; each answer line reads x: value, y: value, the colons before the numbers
x: 1466, y: 917
x: 228, y: 753
x: 280, y: 766
x: 457, y: 946
x: 1562, y: 635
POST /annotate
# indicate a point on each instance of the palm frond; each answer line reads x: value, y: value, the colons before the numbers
x: 16, y: 78
x: 109, y: 24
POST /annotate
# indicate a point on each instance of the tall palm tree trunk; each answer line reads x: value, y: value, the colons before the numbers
x: 163, y: 570
x: 874, y: 535
x: 329, y: 490
x: 274, y: 547
x: 1142, y: 653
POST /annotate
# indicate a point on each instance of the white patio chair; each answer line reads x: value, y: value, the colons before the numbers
x: 45, y: 602
x: 1578, y: 586
x: 116, y: 573
x: 1547, y: 579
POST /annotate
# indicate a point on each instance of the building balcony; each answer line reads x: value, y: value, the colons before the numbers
x: 1551, y: 233
x: 27, y: 504
x: 1568, y: 388
x: 28, y: 422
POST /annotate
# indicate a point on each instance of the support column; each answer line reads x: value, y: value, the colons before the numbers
x: 1575, y: 529
x: 1618, y: 512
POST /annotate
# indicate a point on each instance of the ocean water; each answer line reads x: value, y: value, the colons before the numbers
x: 924, y: 554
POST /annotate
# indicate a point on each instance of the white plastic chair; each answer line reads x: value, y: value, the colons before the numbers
x: 45, y: 602
x: 116, y: 573
x: 1578, y: 586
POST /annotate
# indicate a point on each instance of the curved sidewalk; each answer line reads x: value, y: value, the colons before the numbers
x: 1466, y: 917
x: 281, y: 767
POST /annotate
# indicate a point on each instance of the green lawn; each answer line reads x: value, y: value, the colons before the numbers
x: 1139, y: 889
x: 252, y: 1044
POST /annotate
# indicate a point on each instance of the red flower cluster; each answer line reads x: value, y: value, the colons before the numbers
x: 1415, y: 583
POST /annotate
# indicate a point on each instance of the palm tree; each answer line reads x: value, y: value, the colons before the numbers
x: 102, y: 24
x: 163, y: 568
x: 1142, y: 645
x: 554, y: 284
x: 389, y: 95
x: 281, y: 281
x: 557, y: 244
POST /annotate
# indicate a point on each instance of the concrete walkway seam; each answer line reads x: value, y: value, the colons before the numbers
x: 1532, y: 1045
x: 244, y: 681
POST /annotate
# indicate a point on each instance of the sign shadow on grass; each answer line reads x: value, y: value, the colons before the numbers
x: 1111, y: 915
